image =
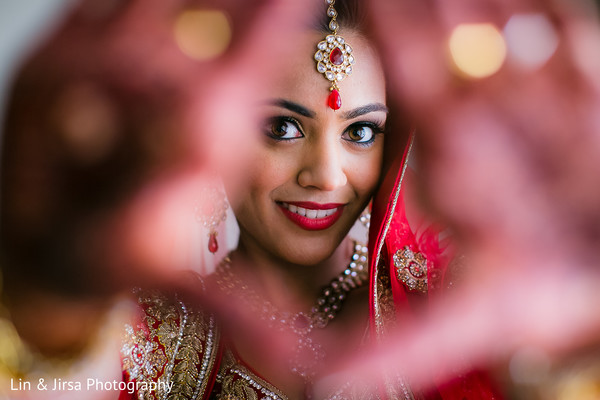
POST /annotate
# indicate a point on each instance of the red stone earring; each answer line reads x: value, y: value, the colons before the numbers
x: 334, y: 58
x: 210, y: 211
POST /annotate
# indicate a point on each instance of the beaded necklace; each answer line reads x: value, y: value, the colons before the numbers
x: 308, y: 353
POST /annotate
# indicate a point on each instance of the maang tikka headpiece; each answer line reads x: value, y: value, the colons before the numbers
x: 334, y: 58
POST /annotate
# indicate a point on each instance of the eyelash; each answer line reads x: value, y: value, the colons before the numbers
x: 271, y: 122
x: 376, y: 127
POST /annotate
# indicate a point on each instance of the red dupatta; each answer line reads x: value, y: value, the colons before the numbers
x: 391, y: 299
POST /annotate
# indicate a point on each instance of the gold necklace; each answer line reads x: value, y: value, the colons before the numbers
x: 308, y: 353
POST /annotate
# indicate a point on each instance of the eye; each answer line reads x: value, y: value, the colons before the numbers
x: 284, y: 128
x: 363, y: 133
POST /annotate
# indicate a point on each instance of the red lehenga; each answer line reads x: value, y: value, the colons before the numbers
x: 176, y: 345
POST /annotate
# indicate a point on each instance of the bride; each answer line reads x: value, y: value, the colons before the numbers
x: 327, y: 149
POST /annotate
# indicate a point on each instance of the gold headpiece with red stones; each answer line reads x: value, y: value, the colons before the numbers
x: 334, y: 58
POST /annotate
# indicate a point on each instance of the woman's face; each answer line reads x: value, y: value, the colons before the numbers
x: 315, y: 169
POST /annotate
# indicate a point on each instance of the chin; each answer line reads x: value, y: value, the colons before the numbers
x: 308, y: 251
x: 307, y: 259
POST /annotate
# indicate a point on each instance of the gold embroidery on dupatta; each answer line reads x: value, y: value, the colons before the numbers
x: 378, y: 317
x: 411, y: 269
x: 176, y: 344
x: 382, y: 300
x: 142, y: 359
x: 387, y: 308
x: 239, y: 383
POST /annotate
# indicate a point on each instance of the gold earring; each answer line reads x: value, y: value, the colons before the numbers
x: 210, y: 211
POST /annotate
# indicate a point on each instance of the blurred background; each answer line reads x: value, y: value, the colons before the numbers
x: 524, y: 142
x: 23, y: 26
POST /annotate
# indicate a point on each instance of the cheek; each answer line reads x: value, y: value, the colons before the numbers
x: 365, y: 172
x: 268, y: 171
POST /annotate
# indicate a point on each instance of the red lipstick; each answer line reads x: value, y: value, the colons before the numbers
x: 306, y: 222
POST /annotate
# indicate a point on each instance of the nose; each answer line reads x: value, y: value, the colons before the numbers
x: 323, y: 166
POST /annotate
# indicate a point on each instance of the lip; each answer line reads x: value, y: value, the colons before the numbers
x: 314, y: 206
x: 312, y: 224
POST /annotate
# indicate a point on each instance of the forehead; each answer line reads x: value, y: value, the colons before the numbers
x: 298, y: 79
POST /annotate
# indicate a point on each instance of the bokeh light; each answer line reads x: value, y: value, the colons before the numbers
x: 477, y: 50
x: 202, y: 34
x: 580, y: 385
x: 531, y: 40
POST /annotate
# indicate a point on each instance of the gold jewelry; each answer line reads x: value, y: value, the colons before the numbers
x: 334, y: 58
x: 328, y: 305
x: 210, y: 211
x: 411, y: 269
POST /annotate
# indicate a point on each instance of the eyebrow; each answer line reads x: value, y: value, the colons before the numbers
x: 357, y: 112
x: 294, y: 107
x: 369, y: 108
